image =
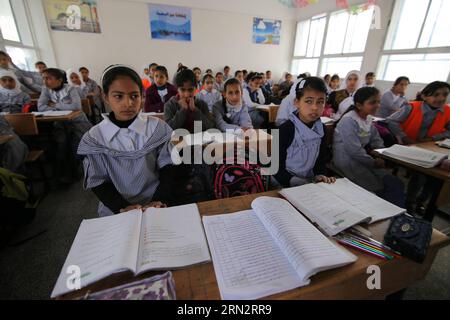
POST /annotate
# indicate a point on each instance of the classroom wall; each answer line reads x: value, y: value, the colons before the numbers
x: 221, y: 31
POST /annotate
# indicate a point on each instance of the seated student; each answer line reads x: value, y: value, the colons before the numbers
x: 209, y: 94
x: 240, y: 76
x: 30, y: 82
x: 40, y: 66
x: 179, y: 69
x: 287, y: 83
x: 12, y: 99
x: 269, y: 79
x: 75, y: 80
x: 253, y: 97
x: 355, y: 138
x: 230, y: 113
x: 226, y: 73
x: 394, y: 99
x: 209, y: 71
x: 341, y: 100
x: 92, y: 87
x: 124, y: 154
x: 219, y: 82
x: 427, y: 120
x: 198, y: 79
x: 327, y: 79
x: 335, y: 83
x: 245, y: 74
x: 151, y: 74
x: 14, y: 152
x: 266, y: 86
x: 370, y: 80
x: 157, y: 95
x: 183, y: 110
x: 303, y: 152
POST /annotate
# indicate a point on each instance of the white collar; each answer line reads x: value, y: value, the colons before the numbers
x: 109, y: 130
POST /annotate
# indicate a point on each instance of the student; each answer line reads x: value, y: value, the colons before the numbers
x: 124, y: 154
x: 179, y: 69
x: 286, y: 85
x: 335, y: 83
x: 209, y: 94
x: 219, y: 82
x: 183, y: 110
x: 14, y: 152
x: 427, y: 120
x: 394, y: 99
x: 230, y: 113
x: 198, y: 79
x: 253, y: 96
x: 160, y: 93
x: 40, y: 66
x: 341, y: 100
x: 92, y: 87
x: 370, y: 79
x: 209, y: 71
x: 245, y: 73
x: 151, y: 75
x: 269, y: 79
x: 75, y: 80
x: 355, y: 138
x: 327, y: 79
x: 30, y: 82
x: 303, y: 152
x: 12, y: 99
x: 226, y: 73
x: 266, y: 86
x: 240, y: 76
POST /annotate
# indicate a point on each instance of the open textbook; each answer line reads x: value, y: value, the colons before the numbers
x: 268, y: 250
x: 156, y: 239
x: 209, y: 137
x: 52, y: 113
x: 414, y: 155
x: 339, y: 206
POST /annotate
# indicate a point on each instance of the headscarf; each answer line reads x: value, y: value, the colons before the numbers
x: 16, y: 89
x: 358, y: 84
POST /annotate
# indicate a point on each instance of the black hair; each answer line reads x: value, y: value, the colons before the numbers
x: 230, y: 82
x: 419, y: 96
x: 208, y: 70
x: 185, y: 76
x: 432, y: 87
x: 226, y: 67
x: 3, y: 53
x: 370, y: 74
x: 59, y: 75
x: 40, y: 63
x: 163, y: 70
x: 268, y: 71
x: 311, y: 83
x: 361, y: 96
x: 153, y: 64
x: 237, y: 71
x: 335, y: 77
x: 300, y: 76
x: 400, y: 79
x: 219, y: 73
x: 197, y: 68
x: 83, y: 68
x: 112, y: 73
x: 253, y: 76
x: 206, y: 77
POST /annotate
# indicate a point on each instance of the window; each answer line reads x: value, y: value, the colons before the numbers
x: 331, y: 43
x: 15, y: 34
x: 419, y: 50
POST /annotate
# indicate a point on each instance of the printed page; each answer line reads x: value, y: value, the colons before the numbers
x: 207, y: 137
x: 307, y: 249
x: 415, y: 155
x: 102, y: 247
x: 248, y: 263
x: 331, y: 213
x: 171, y: 238
x: 370, y: 204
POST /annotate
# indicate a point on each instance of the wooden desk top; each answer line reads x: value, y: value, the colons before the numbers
x: 5, y: 138
x: 349, y: 282
x: 69, y: 117
x: 271, y: 110
x: 434, y: 172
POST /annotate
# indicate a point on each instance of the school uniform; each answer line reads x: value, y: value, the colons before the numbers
x: 156, y: 97
x: 122, y: 160
x: 340, y: 100
x: 94, y: 89
x: 352, y: 137
x: 14, y: 152
x: 13, y: 100
x: 287, y: 106
x: 391, y: 103
x: 210, y: 98
x: 219, y: 86
x: 231, y: 118
x: 178, y: 118
x: 30, y: 82
x: 252, y: 100
x: 303, y: 152
x: 226, y: 77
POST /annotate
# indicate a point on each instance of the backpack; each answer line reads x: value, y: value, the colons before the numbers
x: 233, y: 180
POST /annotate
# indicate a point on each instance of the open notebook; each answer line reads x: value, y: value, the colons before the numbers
x: 414, y: 155
x: 339, y: 206
x: 209, y: 137
x: 138, y: 242
x: 268, y: 250
x: 52, y: 113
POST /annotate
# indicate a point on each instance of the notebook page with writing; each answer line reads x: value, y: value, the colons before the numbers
x: 247, y: 261
x: 171, y: 238
x: 102, y: 247
x: 370, y: 204
x: 332, y: 214
x: 307, y: 249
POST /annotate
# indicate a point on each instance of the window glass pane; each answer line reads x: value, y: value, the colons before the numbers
x: 305, y: 65
x: 337, y: 27
x: 316, y: 34
x: 437, y: 25
x: 427, y: 67
x: 341, y: 66
x: 407, y: 20
x: 22, y: 22
x: 358, y: 31
x: 23, y: 58
x: 7, y: 24
x: 301, y: 38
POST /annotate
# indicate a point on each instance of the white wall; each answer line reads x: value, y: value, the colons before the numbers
x: 221, y: 35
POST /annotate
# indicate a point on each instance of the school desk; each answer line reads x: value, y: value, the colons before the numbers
x: 69, y: 117
x: 349, y: 282
x: 5, y: 138
x: 440, y: 176
x: 271, y: 110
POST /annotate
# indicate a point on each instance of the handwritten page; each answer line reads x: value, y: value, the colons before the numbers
x: 171, y: 238
x: 102, y: 247
x: 247, y: 261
